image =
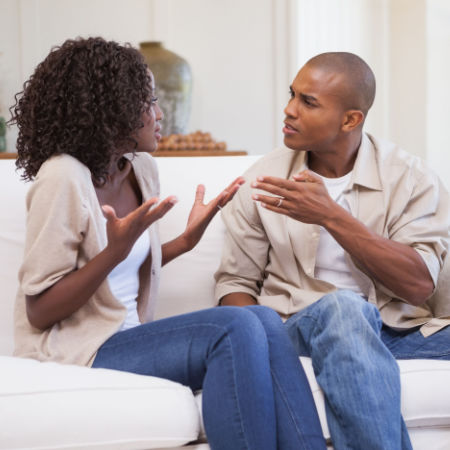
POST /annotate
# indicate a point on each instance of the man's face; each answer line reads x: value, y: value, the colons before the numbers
x: 315, y: 113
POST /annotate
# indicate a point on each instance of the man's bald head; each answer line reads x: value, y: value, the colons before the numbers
x: 358, y: 90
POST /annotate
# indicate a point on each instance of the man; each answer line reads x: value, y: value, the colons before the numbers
x: 344, y: 235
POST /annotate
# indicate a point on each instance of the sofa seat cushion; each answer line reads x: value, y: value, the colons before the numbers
x: 425, y: 395
x: 48, y: 405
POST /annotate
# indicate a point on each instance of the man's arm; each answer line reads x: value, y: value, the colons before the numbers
x: 397, y: 266
x: 237, y: 299
x: 245, y: 252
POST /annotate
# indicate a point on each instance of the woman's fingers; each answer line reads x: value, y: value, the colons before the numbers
x: 159, y: 211
x: 109, y: 213
x: 200, y: 194
x: 225, y: 196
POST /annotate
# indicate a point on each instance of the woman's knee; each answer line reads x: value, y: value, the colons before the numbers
x: 242, y: 322
x: 266, y: 315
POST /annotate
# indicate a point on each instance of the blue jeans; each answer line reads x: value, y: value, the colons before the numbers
x: 353, y: 357
x: 255, y: 393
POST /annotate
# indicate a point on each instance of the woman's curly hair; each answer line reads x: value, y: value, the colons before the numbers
x: 85, y: 99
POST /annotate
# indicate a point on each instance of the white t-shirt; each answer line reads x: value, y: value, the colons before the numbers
x: 124, y: 280
x: 331, y: 259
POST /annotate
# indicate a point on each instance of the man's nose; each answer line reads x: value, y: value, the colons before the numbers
x: 290, y: 110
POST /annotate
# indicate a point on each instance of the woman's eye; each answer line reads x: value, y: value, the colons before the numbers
x: 154, y: 100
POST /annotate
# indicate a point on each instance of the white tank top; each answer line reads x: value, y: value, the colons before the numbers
x: 331, y: 262
x: 124, y: 280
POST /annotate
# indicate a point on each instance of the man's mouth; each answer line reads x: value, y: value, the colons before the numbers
x: 289, y: 129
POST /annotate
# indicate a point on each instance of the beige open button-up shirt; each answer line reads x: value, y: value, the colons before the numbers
x: 272, y: 257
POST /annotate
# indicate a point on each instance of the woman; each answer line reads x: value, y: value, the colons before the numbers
x: 92, y: 256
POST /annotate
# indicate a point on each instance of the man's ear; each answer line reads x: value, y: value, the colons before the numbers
x: 353, y: 118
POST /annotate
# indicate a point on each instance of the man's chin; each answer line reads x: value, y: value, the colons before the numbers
x: 292, y: 144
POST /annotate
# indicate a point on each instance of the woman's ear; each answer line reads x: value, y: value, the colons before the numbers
x: 353, y: 118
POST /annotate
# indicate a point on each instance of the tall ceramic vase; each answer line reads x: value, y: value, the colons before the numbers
x: 173, y: 79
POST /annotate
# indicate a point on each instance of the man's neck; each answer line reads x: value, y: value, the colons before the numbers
x: 337, y: 162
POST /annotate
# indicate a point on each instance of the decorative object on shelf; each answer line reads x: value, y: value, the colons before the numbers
x: 2, y: 135
x: 193, y: 142
x: 173, y: 85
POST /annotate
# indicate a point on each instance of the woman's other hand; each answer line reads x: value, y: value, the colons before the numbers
x: 201, y: 214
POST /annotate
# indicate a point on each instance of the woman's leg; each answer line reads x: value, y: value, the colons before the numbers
x: 222, y: 350
x: 298, y: 425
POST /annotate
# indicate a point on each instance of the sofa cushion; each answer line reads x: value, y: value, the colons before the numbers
x: 48, y: 405
x: 422, y: 380
x: 187, y: 283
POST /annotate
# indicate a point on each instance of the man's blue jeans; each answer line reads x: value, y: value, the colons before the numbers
x: 255, y: 393
x: 353, y: 356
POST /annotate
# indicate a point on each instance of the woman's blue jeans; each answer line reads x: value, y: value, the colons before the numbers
x: 255, y: 393
x: 353, y: 357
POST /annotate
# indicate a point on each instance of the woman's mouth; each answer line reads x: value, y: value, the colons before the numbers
x: 158, y: 135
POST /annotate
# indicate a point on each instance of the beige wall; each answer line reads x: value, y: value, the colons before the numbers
x: 232, y: 46
x: 244, y: 54
x: 438, y: 87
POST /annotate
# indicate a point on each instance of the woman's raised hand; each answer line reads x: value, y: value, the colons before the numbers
x: 201, y: 214
x: 123, y: 232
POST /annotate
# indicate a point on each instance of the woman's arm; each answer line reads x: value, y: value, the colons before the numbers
x: 73, y: 290
x: 199, y: 218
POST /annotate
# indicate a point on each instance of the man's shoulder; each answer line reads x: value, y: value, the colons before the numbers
x: 393, y: 159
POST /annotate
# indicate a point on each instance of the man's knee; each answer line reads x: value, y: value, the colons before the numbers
x: 338, y: 313
x: 345, y: 306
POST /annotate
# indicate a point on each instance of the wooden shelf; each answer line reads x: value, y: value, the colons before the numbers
x: 4, y: 155
x: 199, y: 153
x: 165, y: 153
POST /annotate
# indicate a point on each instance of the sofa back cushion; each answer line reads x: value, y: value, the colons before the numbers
x: 187, y: 283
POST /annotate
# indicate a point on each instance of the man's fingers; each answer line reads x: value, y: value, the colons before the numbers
x: 281, y: 183
x: 307, y: 176
x: 272, y: 188
x: 269, y: 201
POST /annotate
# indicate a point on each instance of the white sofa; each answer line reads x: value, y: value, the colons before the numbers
x: 50, y: 406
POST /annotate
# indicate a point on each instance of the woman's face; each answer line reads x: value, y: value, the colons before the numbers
x: 149, y: 134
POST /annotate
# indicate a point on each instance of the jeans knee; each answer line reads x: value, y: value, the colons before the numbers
x: 242, y: 322
x: 266, y: 315
x: 346, y: 306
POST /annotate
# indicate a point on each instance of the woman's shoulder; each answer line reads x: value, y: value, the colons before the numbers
x: 63, y: 167
x: 61, y: 175
x: 144, y: 162
x: 146, y: 171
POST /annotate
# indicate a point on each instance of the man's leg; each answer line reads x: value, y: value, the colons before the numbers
x: 411, y: 344
x: 358, y: 374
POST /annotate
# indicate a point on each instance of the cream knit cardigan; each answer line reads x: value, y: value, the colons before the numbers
x: 66, y: 229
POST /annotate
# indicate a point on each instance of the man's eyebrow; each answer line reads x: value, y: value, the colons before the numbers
x: 310, y: 98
